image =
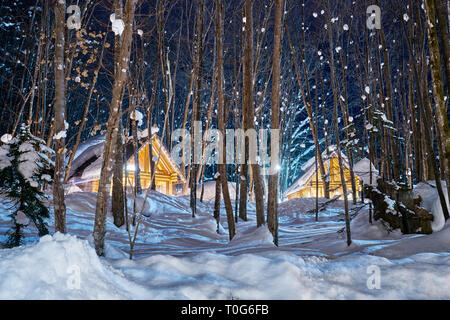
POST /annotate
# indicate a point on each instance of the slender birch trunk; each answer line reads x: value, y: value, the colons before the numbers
x: 120, y: 79
x: 272, y: 205
x: 118, y: 196
x: 59, y: 124
x: 338, y: 142
x: 441, y: 120
x: 196, y: 107
x: 220, y: 12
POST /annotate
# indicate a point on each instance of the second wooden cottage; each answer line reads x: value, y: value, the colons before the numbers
x: 305, y: 186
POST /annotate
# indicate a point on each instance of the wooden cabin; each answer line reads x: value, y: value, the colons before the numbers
x: 305, y: 186
x: 85, y: 170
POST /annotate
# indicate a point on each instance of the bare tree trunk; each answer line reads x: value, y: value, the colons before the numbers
x: 165, y: 66
x: 347, y: 124
x: 370, y: 174
x: 59, y: 124
x: 325, y: 120
x: 196, y: 106
x: 236, y: 74
x: 220, y: 12
x: 202, y: 192
x: 415, y: 132
x: 200, y: 173
x: 338, y: 142
x: 316, y: 153
x: 272, y: 205
x: 248, y: 118
x: 185, y: 118
x: 149, y: 126
x: 217, y: 200
x: 444, y: 36
x: 35, y: 76
x: 137, y: 169
x: 409, y: 140
x: 118, y: 199
x: 120, y: 78
x: 392, y: 144
x: 383, y: 131
x: 442, y: 125
x: 247, y: 100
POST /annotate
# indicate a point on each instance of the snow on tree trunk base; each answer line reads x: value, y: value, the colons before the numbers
x: 397, y: 206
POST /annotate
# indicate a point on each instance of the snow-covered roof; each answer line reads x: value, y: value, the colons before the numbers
x: 362, y: 170
x: 309, y: 168
x: 87, y: 151
x: 332, y: 150
x: 88, y: 159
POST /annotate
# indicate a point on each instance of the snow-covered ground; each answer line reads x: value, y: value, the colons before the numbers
x: 180, y: 257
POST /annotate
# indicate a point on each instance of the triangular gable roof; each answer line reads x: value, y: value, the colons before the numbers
x: 160, y: 147
x: 310, y: 168
x: 89, y: 157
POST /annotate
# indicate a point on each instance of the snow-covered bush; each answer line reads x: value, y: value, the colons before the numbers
x: 24, y: 169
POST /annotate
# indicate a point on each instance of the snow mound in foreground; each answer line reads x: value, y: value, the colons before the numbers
x: 64, y: 267
x: 283, y: 275
x: 254, y: 236
x: 59, y: 267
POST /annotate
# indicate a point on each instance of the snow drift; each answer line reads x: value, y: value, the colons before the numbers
x: 180, y: 257
x: 64, y: 267
x: 60, y: 267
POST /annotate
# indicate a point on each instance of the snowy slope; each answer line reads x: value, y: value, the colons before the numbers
x: 180, y: 257
x: 209, y: 192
